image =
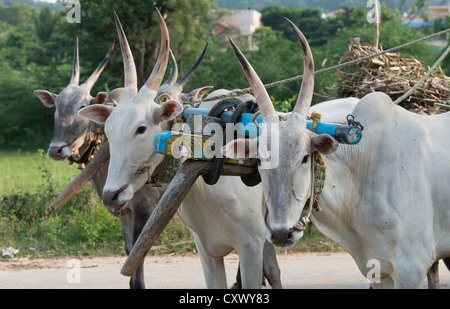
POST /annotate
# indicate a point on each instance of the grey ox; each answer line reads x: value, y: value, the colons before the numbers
x: 385, y: 200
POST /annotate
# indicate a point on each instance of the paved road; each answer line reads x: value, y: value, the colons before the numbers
x: 299, y: 271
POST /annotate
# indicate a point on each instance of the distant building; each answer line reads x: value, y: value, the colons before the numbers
x: 332, y: 14
x: 244, y: 22
x: 436, y: 9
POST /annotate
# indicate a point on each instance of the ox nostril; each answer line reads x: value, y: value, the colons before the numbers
x: 281, y: 237
x: 55, y: 153
x: 110, y: 198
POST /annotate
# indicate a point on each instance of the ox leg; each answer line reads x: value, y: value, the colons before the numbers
x: 238, y: 284
x: 270, y: 266
x: 271, y: 270
x: 251, y: 265
x: 408, y: 275
x: 127, y: 228
x: 433, y: 276
x: 213, y: 268
x: 144, y: 201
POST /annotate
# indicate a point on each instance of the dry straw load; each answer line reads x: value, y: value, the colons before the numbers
x: 393, y: 75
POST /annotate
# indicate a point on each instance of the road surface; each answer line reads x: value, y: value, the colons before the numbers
x: 298, y: 271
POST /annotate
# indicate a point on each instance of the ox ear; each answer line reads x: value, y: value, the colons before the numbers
x: 168, y: 111
x: 241, y: 149
x: 102, y: 97
x: 96, y: 113
x: 197, y: 94
x: 324, y: 143
x: 47, y: 98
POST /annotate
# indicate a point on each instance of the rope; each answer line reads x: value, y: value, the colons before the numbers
x: 336, y: 67
x: 318, y: 176
x: 315, y: 117
x: 431, y: 70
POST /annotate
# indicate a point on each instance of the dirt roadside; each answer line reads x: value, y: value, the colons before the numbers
x: 299, y: 270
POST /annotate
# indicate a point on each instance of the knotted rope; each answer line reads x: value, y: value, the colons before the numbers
x: 318, y: 175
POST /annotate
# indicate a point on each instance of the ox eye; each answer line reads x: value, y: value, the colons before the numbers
x: 141, y: 130
x: 163, y: 98
x: 305, y: 159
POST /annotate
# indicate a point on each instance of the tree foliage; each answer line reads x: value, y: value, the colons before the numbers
x: 325, y: 5
x: 36, y: 50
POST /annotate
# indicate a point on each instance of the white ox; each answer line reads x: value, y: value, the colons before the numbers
x: 385, y: 200
x: 226, y: 216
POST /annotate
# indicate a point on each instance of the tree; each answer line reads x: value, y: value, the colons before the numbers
x: 309, y: 20
x: 45, y: 23
x: 186, y: 20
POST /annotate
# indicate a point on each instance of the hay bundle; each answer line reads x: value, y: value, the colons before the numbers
x: 393, y: 75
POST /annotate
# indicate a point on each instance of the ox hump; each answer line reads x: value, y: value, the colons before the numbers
x: 376, y: 106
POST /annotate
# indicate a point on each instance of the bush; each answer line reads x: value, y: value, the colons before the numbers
x: 82, y: 227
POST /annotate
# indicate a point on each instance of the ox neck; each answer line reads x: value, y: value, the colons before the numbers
x: 339, y: 200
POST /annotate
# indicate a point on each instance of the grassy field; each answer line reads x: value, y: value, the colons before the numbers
x: 23, y: 171
x: 29, y: 182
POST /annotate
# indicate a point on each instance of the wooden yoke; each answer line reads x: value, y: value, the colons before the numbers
x: 168, y: 205
x: 100, y: 158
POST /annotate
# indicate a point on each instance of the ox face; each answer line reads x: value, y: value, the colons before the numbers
x: 130, y: 128
x: 287, y: 185
x: 133, y: 124
x: 69, y: 138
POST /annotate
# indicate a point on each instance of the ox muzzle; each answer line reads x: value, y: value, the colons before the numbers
x: 115, y: 201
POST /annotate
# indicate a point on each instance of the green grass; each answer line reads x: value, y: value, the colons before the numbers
x: 29, y: 183
x: 23, y: 171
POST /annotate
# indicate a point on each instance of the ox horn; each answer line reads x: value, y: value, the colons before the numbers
x: 84, y: 177
x: 306, y: 91
x: 76, y: 66
x: 128, y: 61
x: 157, y: 75
x: 96, y: 74
x: 262, y: 97
x: 187, y: 77
x: 174, y: 72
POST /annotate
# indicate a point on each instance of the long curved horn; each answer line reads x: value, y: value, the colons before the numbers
x: 174, y: 72
x: 306, y: 91
x: 157, y: 75
x: 96, y: 74
x: 128, y: 61
x: 76, y: 66
x: 187, y: 77
x: 262, y: 97
x: 84, y: 177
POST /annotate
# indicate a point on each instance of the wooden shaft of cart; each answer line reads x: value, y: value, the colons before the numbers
x: 168, y: 205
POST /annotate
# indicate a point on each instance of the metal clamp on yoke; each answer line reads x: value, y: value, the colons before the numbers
x: 240, y: 108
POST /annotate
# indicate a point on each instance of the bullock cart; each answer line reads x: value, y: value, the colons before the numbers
x: 194, y: 166
x: 207, y: 167
x: 210, y: 168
